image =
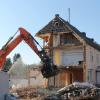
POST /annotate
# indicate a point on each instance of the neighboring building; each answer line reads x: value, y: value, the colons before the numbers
x: 76, y: 55
x: 22, y: 75
x: 35, y: 78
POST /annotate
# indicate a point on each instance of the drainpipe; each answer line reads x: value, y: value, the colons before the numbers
x: 84, y: 63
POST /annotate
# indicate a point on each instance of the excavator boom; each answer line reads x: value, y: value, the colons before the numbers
x: 48, y: 69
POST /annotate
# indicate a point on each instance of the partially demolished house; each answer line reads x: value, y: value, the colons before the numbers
x: 76, y: 55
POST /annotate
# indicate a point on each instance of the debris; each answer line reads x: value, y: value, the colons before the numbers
x: 76, y: 91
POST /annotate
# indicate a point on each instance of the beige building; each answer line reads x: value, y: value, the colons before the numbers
x: 35, y: 78
x: 76, y: 55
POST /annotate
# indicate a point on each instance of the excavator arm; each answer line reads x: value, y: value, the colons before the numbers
x: 48, y: 69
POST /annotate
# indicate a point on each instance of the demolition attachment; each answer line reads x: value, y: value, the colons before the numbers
x: 48, y: 69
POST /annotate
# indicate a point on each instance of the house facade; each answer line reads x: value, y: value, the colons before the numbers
x: 76, y: 55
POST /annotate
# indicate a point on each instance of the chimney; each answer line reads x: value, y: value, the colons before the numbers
x: 84, y: 34
x: 56, y: 15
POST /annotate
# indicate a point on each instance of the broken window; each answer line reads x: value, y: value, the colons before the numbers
x: 68, y: 38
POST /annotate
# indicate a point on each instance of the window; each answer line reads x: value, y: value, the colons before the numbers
x: 91, y: 56
x: 90, y: 75
x: 56, y: 24
x: 68, y: 38
x: 97, y: 59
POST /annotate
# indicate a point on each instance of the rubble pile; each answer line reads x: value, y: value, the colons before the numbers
x: 28, y: 93
x: 76, y: 91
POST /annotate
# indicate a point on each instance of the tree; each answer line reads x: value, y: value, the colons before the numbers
x: 18, y: 69
x: 7, y: 64
x: 16, y: 57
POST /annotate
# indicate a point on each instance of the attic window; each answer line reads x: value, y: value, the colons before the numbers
x: 56, y: 24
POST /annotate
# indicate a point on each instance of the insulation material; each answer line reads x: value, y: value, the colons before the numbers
x: 57, y: 57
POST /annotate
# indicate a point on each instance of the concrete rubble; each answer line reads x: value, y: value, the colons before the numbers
x: 76, y: 91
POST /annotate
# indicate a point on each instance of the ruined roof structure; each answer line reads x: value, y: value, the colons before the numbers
x: 59, y: 25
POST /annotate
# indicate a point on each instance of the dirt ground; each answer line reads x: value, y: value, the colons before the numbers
x: 32, y: 93
x: 32, y: 99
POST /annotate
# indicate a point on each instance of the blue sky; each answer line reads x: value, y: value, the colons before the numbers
x: 35, y: 14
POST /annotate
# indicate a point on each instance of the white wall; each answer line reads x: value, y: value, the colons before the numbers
x: 4, y: 84
x: 92, y: 63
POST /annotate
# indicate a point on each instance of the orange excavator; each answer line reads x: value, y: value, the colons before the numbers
x: 48, y: 69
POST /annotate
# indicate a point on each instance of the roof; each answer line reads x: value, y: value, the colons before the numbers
x: 58, y: 25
